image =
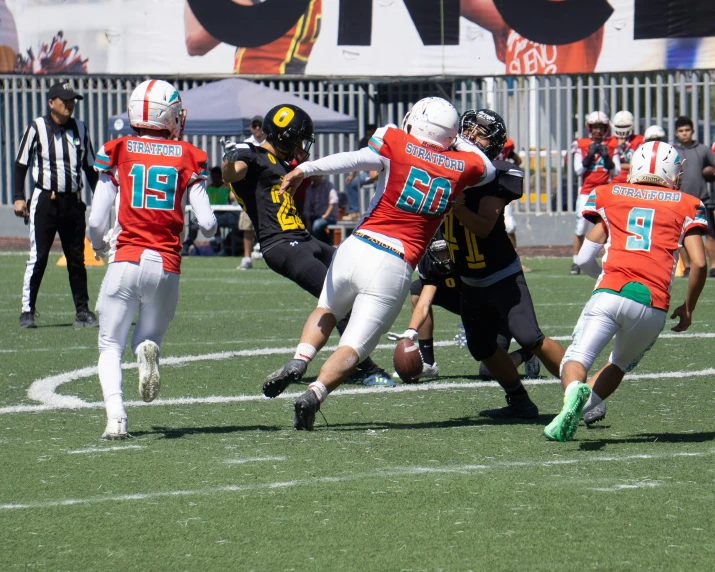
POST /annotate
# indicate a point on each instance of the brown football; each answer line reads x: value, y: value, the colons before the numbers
x: 709, y: 174
x: 407, y: 361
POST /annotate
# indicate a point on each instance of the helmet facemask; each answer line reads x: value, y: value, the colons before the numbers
x: 438, y: 252
x: 478, y: 126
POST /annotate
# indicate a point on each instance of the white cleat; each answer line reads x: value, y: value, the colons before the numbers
x: 595, y: 414
x: 116, y: 430
x: 148, y: 358
x: 429, y: 371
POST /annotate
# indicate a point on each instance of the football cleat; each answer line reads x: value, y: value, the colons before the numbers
x: 116, y: 429
x: 27, y: 320
x: 532, y: 367
x: 246, y: 263
x: 148, y: 359
x: 305, y: 407
x: 595, y: 414
x: 518, y: 406
x: 429, y: 371
x: 377, y: 378
x: 564, y: 425
x: 291, y: 372
x: 575, y: 269
x: 85, y: 319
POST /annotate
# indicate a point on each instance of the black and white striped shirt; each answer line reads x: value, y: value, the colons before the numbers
x: 59, y: 154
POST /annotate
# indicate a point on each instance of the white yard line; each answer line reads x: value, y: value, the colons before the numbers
x: 104, y: 449
x: 254, y: 460
x: 391, y: 473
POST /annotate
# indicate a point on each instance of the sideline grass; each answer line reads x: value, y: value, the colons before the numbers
x: 398, y: 481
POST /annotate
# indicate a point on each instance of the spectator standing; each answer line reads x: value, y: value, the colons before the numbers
x: 257, y: 135
x: 357, y: 179
x: 60, y: 149
x: 696, y: 157
x: 321, y: 206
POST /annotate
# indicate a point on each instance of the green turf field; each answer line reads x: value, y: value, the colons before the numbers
x: 409, y: 478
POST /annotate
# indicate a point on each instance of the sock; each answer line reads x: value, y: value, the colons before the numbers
x: 574, y: 259
x: 320, y: 390
x: 306, y: 352
x: 517, y: 389
x: 427, y: 350
x: 592, y: 402
x: 110, y: 378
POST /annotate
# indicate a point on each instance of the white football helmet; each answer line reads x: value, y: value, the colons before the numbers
x: 656, y: 163
x: 623, y: 124
x: 654, y: 133
x: 156, y: 104
x: 596, y: 117
x: 434, y: 121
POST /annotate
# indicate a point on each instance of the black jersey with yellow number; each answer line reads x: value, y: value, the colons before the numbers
x: 274, y: 216
x: 477, y: 257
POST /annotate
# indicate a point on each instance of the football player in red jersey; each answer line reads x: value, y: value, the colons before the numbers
x: 641, y: 224
x: 152, y: 174
x: 420, y: 178
x: 628, y: 142
x: 596, y: 160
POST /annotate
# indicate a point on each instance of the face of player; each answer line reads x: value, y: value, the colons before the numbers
x: 62, y: 109
x: 473, y: 135
x: 684, y: 134
x: 598, y: 131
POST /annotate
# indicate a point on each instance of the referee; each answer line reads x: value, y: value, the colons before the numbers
x: 60, y: 149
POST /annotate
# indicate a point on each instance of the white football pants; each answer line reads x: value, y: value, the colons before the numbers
x: 374, y: 284
x: 582, y: 225
x: 127, y: 288
x: 509, y: 220
x: 635, y: 327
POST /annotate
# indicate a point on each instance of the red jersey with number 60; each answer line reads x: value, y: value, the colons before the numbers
x: 645, y: 226
x: 420, y: 186
x: 626, y: 149
x: 153, y: 176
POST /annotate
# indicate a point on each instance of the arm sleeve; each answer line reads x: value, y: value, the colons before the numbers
x: 104, y: 194
x: 20, y: 175
x: 199, y: 200
x: 27, y: 146
x: 586, y: 258
x: 363, y: 160
x: 88, y: 161
x: 578, y: 167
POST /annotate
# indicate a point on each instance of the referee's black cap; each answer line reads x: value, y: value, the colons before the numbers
x: 63, y: 91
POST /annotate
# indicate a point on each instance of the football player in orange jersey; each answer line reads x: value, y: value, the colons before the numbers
x: 420, y: 178
x: 628, y: 142
x: 595, y: 160
x: 286, y: 55
x: 151, y: 175
x: 641, y: 224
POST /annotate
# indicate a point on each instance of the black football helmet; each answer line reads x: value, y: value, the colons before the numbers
x: 438, y: 252
x: 484, y: 124
x: 290, y: 130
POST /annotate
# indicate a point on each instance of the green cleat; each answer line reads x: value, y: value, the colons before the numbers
x: 564, y: 425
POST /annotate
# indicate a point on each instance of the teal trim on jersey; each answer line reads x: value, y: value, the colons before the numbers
x: 633, y: 291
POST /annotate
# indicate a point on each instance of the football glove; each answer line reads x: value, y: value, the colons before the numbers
x: 102, y: 251
x: 230, y: 151
x: 408, y: 334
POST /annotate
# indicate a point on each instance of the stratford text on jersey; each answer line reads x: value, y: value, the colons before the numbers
x: 152, y: 148
x: 647, y: 194
x: 434, y: 157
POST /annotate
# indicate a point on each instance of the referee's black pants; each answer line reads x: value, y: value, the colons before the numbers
x: 63, y: 214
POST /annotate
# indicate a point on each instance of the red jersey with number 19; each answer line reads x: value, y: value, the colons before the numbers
x: 420, y: 186
x: 152, y: 175
x: 645, y: 226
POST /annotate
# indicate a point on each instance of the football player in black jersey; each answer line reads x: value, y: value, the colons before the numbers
x: 439, y: 285
x: 493, y: 284
x: 255, y: 174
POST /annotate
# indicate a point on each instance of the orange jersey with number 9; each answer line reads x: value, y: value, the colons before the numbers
x: 645, y: 226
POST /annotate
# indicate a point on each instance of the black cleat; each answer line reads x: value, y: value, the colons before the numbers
x: 306, y: 406
x: 575, y: 269
x: 27, y: 320
x: 519, y: 406
x: 86, y: 319
x: 291, y: 372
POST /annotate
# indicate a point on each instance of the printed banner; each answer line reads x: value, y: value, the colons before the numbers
x: 355, y: 38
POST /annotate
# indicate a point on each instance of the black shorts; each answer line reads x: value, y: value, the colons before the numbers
x: 447, y: 295
x: 305, y: 263
x: 487, y: 311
